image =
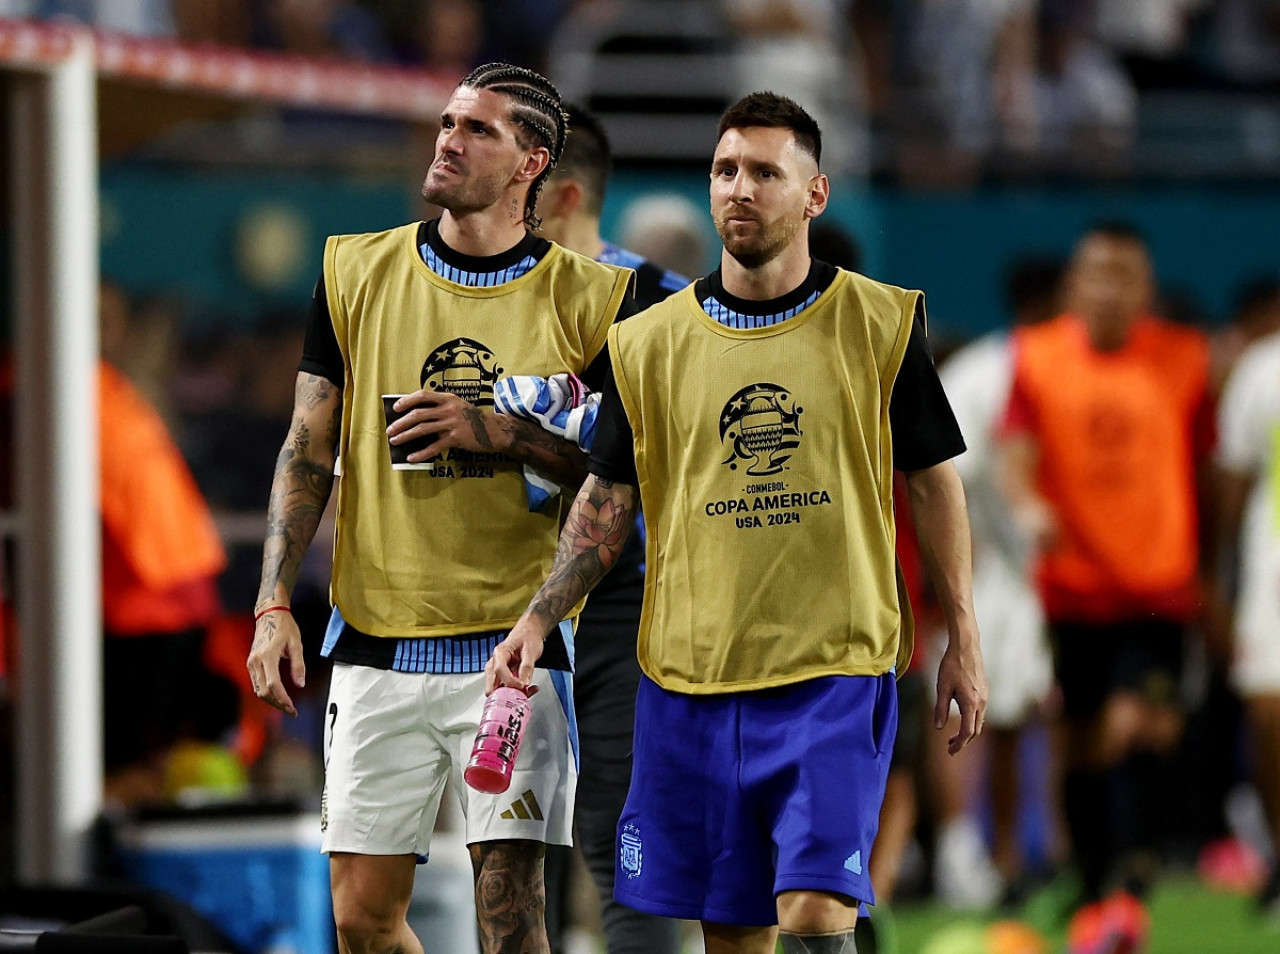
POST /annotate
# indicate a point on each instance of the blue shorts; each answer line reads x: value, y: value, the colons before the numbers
x: 737, y: 797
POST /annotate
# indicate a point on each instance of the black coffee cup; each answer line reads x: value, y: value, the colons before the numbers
x: 400, y: 452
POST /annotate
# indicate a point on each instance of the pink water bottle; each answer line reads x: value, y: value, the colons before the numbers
x: 502, y: 725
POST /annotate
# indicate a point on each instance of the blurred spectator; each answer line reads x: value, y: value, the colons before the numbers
x: 1256, y: 314
x: 1086, y: 107
x: 1249, y: 498
x: 140, y: 340
x: 1152, y: 37
x: 804, y: 49
x: 137, y: 17
x: 1248, y: 39
x: 1154, y: 28
x: 519, y: 31
x: 448, y: 38
x: 967, y: 66
x: 1024, y: 76
x: 324, y: 28
x: 215, y: 22
x: 1014, y: 646
x: 161, y: 557
x: 1108, y: 419
x: 668, y: 230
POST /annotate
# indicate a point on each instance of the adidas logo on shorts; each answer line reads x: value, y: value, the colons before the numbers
x: 525, y: 807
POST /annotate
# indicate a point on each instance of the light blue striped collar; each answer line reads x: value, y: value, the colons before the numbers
x: 475, y: 279
x: 719, y: 312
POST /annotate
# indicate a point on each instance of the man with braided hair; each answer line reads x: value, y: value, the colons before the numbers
x: 432, y: 566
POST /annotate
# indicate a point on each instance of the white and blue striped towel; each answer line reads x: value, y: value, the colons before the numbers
x: 562, y: 405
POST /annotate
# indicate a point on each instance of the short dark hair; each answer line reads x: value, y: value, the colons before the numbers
x: 1033, y: 282
x: 537, y: 110
x: 1255, y: 294
x: 774, y: 112
x: 587, y: 158
x: 1117, y: 229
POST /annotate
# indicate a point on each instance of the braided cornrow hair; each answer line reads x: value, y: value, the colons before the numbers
x: 536, y: 108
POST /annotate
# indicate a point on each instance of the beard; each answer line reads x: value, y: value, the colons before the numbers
x: 464, y: 191
x: 760, y: 245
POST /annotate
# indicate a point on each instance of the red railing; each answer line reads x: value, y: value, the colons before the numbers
x: 236, y: 74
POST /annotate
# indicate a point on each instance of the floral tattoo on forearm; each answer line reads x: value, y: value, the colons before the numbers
x: 590, y: 544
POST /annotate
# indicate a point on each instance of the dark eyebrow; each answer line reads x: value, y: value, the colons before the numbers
x: 748, y: 164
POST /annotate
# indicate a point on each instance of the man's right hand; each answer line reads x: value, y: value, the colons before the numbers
x: 513, y: 659
x: 276, y: 638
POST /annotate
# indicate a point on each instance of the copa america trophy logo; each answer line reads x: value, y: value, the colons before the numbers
x: 463, y: 367
x: 761, y: 425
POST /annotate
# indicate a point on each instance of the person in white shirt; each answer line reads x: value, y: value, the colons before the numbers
x: 977, y: 379
x: 1249, y: 498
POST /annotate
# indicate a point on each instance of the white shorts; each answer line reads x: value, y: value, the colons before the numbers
x: 1015, y: 648
x: 393, y: 739
x: 1255, y: 671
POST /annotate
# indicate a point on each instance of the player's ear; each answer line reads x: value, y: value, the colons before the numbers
x: 560, y: 198
x: 535, y: 160
x: 819, y: 193
x: 570, y: 197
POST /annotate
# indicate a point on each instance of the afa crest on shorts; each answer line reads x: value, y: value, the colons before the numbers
x: 630, y: 851
x: 464, y: 367
x: 761, y: 426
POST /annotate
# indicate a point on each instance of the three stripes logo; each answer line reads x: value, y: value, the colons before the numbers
x: 525, y: 808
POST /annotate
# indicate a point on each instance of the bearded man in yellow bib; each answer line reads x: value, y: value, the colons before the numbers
x: 435, y: 557
x: 760, y: 414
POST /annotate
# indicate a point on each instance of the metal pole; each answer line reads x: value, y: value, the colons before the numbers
x: 59, y: 682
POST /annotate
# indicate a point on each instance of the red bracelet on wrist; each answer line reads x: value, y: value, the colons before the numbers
x: 270, y: 609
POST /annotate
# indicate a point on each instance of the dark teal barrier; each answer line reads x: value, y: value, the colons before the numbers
x: 169, y: 229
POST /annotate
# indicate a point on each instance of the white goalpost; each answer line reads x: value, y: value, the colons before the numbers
x: 53, y: 162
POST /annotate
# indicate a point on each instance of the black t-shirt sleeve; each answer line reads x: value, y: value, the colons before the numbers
x: 320, y: 352
x: 924, y: 428
x: 599, y: 369
x: 613, y: 455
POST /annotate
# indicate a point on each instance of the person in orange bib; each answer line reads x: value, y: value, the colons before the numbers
x: 161, y: 559
x: 1108, y: 421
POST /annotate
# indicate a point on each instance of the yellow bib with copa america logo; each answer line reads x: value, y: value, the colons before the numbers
x: 766, y: 471
x: 453, y: 550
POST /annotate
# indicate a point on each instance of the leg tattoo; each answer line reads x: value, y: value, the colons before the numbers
x: 510, y: 897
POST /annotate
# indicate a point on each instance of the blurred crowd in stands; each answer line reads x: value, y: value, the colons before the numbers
x: 939, y: 90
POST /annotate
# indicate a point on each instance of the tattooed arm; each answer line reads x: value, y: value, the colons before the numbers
x: 299, y: 491
x: 455, y: 423
x: 592, y: 539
